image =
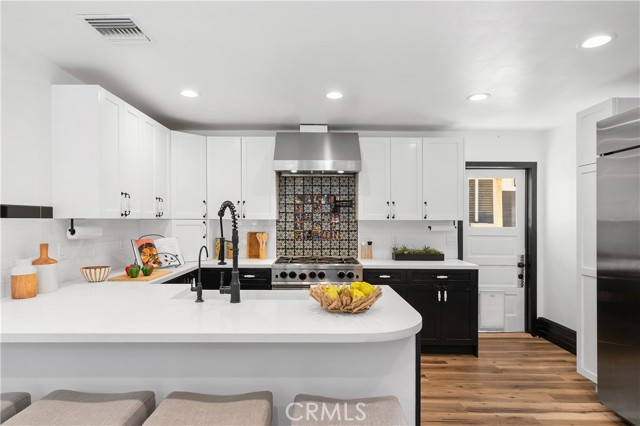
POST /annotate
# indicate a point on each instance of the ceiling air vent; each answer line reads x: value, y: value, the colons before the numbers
x: 117, y: 29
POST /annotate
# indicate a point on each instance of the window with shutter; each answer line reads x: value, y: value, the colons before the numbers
x: 492, y: 202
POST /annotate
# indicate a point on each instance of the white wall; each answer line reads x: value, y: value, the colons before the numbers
x: 560, y: 296
x: 25, y: 170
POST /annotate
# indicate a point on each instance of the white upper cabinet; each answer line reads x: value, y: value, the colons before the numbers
x: 442, y: 179
x: 586, y: 125
x: 406, y: 178
x: 147, y: 169
x: 129, y: 160
x: 162, y: 172
x: 390, y: 183
x: 258, y: 179
x: 241, y: 171
x: 374, y: 180
x: 188, y: 176
x: 224, y: 177
x: 87, y: 137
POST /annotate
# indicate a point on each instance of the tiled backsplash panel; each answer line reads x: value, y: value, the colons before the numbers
x: 317, y: 216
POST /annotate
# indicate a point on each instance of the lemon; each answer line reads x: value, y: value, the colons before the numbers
x: 332, y: 292
x: 366, y: 288
x: 356, y: 285
x: 356, y: 294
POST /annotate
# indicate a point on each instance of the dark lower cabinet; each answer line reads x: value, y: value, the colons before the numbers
x: 447, y: 301
x: 250, y: 278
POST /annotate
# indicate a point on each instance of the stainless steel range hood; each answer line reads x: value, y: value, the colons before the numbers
x: 311, y: 152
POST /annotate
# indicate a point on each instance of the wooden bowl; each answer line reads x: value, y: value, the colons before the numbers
x: 344, y: 303
x: 95, y: 274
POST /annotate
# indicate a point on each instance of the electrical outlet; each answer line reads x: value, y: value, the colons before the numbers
x: 452, y: 239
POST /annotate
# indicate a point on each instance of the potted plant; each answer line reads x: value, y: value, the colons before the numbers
x: 424, y: 253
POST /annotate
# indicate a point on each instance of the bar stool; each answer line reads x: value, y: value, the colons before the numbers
x: 11, y: 403
x: 311, y: 410
x: 70, y: 408
x: 197, y: 409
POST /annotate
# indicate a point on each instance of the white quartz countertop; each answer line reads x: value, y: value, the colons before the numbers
x: 143, y: 312
x: 417, y: 264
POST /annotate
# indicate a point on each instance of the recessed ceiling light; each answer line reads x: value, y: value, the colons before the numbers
x: 597, y: 41
x: 187, y: 93
x: 479, y: 96
x: 334, y: 95
x: 294, y: 171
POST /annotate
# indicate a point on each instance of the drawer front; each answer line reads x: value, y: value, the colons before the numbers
x: 438, y: 276
x: 382, y: 276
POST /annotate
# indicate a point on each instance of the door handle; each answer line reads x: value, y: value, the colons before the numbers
x: 244, y: 209
x: 204, y: 227
x: 393, y: 206
x: 439, y: 295
x: 442, y: 277
x: 521, y: 271
x: 204, y: 214
x: 248, y: 276
x: 445, y: 296
x: 385, y: 276
x: 424, y: 210
x: 388, y: 210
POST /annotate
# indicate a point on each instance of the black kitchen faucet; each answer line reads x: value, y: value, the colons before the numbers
x: 234, y: 286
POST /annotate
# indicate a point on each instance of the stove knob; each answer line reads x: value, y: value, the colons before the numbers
x: 292, y: 274
x: 312, y: 274
x: 341, y: 275
x: 302, y: 276
x: 350, y: 275
x: 283, y: 274
x: 321, y: 275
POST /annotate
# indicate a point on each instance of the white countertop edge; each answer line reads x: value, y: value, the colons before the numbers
x: 212, y: 338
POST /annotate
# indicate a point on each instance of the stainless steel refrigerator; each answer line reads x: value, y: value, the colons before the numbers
x: 618, y: 192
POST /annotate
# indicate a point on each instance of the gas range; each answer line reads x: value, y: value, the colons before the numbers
x: 303, y: 271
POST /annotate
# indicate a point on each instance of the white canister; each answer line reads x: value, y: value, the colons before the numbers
x: 47, y: 278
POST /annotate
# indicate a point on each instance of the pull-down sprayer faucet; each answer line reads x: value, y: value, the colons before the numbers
x: 234, y: 286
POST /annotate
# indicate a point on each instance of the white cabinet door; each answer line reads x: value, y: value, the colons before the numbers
x: 188, y: 176
x: 110, y: 125
x: 129, y: 160
x: 191, y: 235
x: 258, y: 178
x: 374, y: 196
x: 442, y: 179
x: 147, y: 169
x: 224, y: 177
x: 406, y: 178
x: 162, y: 171
x: 587, y: 337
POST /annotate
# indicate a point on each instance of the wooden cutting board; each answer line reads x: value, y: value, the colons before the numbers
x: 253, y: 247
x: 155, y: 274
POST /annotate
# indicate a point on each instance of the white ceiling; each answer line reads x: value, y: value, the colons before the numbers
x: 402, y: 66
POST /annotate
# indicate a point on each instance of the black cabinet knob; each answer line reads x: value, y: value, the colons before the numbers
x: 520, y: 276
x: 520, y: 265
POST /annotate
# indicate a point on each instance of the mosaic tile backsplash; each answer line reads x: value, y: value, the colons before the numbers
x: 317, y: 216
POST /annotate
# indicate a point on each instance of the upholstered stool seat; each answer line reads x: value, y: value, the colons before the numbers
x: 197, y: 409
x: 310, y: 410
x: 70, y: 408
x: 12, y: 403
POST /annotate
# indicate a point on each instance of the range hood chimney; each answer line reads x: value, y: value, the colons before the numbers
x: 316, y: 150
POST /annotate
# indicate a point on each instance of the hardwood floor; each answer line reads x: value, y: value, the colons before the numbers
x: 516, y: 380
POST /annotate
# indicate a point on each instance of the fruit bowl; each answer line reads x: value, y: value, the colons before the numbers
x: 358, y: 297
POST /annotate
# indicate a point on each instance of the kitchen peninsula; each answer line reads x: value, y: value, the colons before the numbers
x: 112, y: 337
